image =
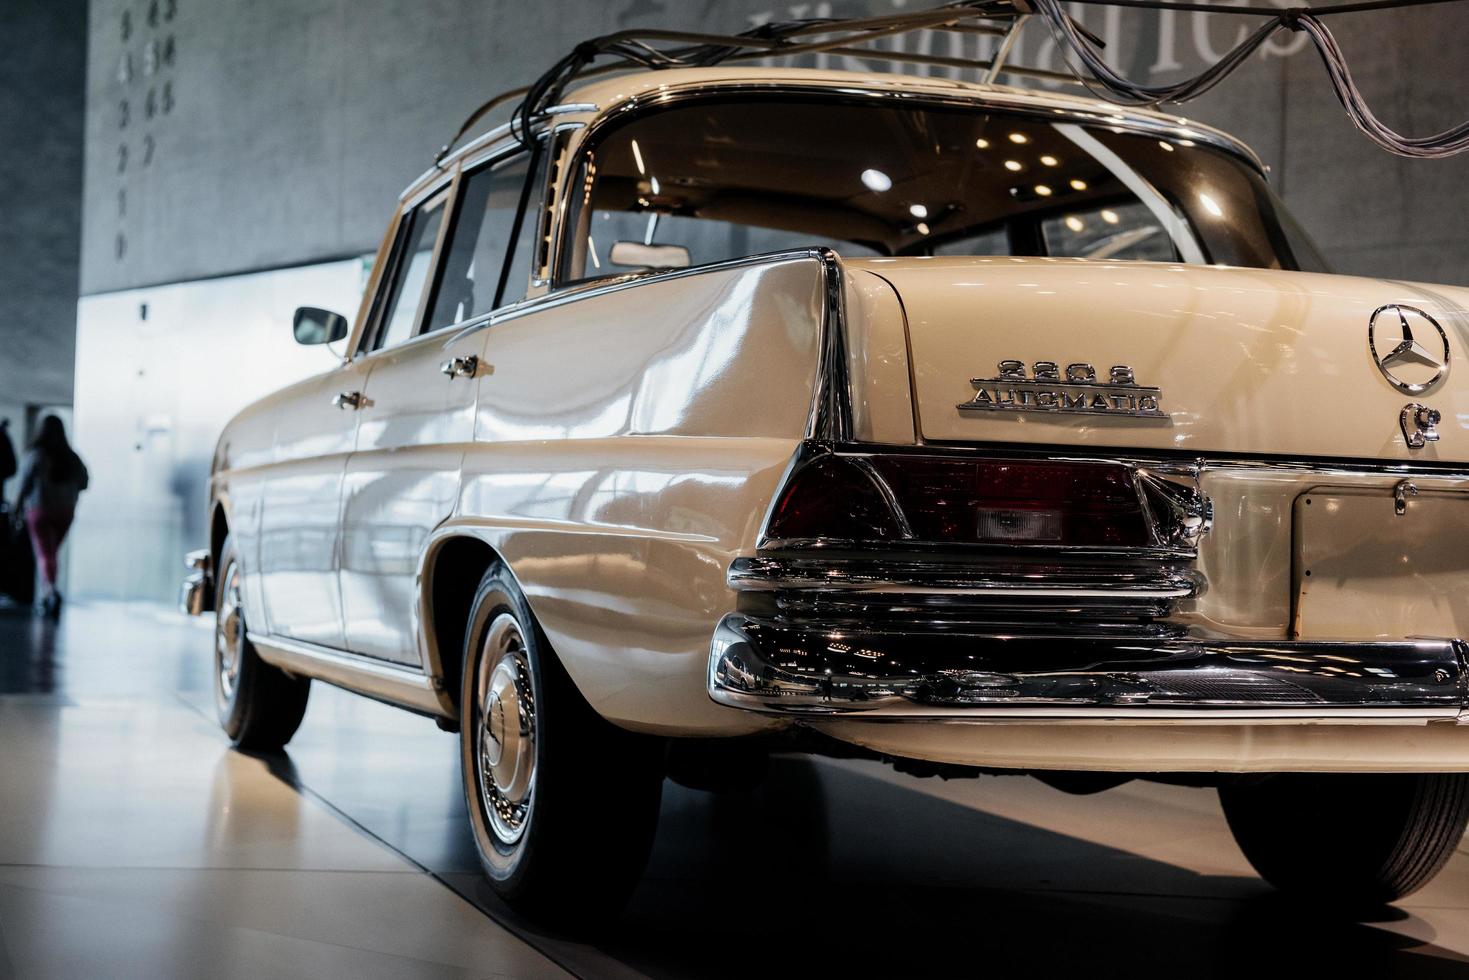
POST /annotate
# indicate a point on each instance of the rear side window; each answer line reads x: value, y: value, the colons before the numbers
x: 479, y: 243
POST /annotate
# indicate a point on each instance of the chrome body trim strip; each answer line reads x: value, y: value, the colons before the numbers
x: 782, y: 668
x: 831, y: 407
x: 402, y: 686
x: 974, y: 581
x: 1203, y: 461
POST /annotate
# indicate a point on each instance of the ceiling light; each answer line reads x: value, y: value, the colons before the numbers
x: 982, y: 143
x: 918, y: 210
x: 1049, y: 160
x: 922, y: 228
x: 1019, y: 138
x: 1075, y: 223
x: 876, y: 180
x: 1013, y: 165
x: 637, y: 157
x: 1166, y: 146
x: 1077, y: 185
x: 1042, y: 190
x: 1109, y: 216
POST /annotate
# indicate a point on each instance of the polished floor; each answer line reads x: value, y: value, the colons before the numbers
x: 134, y: 842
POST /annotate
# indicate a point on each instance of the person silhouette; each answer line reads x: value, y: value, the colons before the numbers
x: 52, y: 477
x: 7, y: 456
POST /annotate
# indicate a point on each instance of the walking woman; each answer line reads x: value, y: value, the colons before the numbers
x: 51, y: 478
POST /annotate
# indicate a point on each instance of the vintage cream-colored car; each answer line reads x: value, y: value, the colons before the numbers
x: 975, y: 428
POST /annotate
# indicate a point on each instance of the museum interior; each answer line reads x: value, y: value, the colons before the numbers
x: 725, y: 487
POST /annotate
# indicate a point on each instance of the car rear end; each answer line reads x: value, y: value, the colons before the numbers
x: 1152, y: 517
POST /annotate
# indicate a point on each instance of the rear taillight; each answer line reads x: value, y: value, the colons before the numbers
x: 901, y: 497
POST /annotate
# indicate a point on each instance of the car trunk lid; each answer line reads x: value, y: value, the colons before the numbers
x: 1176, y: 357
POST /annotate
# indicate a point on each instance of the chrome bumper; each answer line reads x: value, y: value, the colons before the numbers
x: 196, y: 594
x: 801, y: 668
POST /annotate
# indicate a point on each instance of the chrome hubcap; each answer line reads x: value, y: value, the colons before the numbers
x: 506, y: 731
x: 229, y: 635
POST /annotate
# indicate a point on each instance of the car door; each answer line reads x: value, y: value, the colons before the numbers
x: 315, y: 431
x: 403, y: 479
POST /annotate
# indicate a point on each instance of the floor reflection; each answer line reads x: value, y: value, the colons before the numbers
x: 828, y: 867
x: 29, y: 645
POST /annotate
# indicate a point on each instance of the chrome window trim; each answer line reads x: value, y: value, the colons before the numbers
x: 443, y: 194
x: 1005, y: 99
x: 461, y: 170
x: 538, y: 127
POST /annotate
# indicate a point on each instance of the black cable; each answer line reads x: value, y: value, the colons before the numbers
x: 1257, y: 11
x: 1080, y: 50
x: 1103, y: 81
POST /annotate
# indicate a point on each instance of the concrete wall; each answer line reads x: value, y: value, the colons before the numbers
x: 41, y: 109
x: 225, y: 139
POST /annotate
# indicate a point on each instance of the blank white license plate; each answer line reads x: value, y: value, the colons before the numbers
x: 1363, y: 571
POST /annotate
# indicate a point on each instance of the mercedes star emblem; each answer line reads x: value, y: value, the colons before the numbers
x: 1411, y: 363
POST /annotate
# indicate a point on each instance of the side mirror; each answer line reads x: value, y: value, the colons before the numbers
x: 314, y: 326
x: 649, y: 256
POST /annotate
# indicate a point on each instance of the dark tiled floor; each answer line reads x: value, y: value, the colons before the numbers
x: 117, y: 791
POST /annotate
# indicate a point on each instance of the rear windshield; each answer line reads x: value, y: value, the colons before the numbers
x: 719, y: 179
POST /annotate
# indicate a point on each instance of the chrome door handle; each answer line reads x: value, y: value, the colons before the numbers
x: 460, y: 367
x: 347, y: 399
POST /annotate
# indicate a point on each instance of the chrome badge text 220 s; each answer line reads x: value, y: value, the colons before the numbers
x: 1076, y: 391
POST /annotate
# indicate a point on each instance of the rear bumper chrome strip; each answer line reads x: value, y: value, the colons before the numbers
x: 780, y: 667
x: 1120, y: 583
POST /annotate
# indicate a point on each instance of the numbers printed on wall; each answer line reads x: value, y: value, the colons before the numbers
x: 157, y: 54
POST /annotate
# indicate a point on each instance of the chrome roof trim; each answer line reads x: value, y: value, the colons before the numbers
x: 487, y: 139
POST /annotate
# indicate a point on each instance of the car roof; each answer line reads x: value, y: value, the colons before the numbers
x: 595, y: 99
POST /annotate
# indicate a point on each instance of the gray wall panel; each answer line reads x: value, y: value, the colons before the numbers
x: 294, y: 123
x: 41, y: 109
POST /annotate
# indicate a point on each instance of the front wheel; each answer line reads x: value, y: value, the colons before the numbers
x: 1353, y: 839
x: 259, y: 706
x: 563, y: 804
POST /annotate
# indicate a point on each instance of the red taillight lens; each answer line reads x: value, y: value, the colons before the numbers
x: 941, y: 499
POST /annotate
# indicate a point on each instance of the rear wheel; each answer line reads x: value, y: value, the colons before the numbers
x: 1349, y: 839
x: 563, y: 804
x: 259, y: 706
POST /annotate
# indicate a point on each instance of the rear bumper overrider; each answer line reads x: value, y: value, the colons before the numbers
x: 196, y: 594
